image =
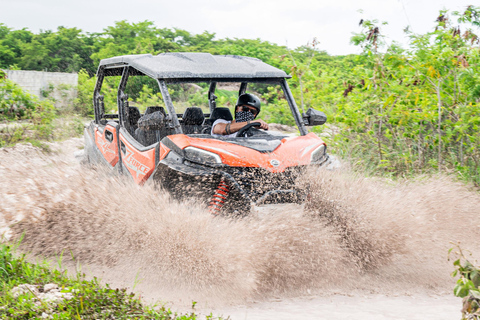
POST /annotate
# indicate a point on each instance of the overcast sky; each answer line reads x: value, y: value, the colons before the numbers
x: 293, y: 23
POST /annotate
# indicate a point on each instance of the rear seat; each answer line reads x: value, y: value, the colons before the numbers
x: 154, y: 109
x: 133, y: 115
x: 192, y: 120
x: 151, y: 126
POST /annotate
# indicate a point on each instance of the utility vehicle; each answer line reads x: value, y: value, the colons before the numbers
x: 170, y: 143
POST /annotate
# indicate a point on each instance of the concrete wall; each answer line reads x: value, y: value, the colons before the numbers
x: 36, y: 82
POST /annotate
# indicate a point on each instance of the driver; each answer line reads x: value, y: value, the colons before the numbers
x: 246, y: 110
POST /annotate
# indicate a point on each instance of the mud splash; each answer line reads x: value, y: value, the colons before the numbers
x: 356, y: 234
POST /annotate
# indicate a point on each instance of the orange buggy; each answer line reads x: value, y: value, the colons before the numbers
x: 177, y: 150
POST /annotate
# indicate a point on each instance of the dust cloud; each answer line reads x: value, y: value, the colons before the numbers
x: 354, y: 233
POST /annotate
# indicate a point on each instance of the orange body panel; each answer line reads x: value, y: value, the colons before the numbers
x: 163, y: 151
x: 107, y: 148
x: 293, y: 151
x: 140, y: 164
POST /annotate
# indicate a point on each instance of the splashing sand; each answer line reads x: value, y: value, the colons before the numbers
x: 355, y: 233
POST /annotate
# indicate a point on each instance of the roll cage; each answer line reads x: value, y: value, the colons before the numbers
x: 174, y: 68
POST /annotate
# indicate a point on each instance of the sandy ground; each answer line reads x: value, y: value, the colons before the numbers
x: 365, y: 307
x: 240, y: 268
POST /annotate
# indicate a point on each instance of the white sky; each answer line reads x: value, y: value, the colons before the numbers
x: 293, y: 23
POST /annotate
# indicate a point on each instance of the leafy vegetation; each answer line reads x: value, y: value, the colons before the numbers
x: 34, y: 117
x: 82, y: 299
x: 416, y: 110
x: 468, y: 284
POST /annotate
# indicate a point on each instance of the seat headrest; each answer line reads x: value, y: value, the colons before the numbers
x: 221, y: 113
x: 152, y: 121
x: 193, y: 116
x: 154, y: 109
x: 133, y: 115
x: 133, y: 111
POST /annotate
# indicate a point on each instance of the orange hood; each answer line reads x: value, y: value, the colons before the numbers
x: 292, y: 151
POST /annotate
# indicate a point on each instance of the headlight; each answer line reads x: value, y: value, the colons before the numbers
x: 201, y: 156
x: 318, y: 154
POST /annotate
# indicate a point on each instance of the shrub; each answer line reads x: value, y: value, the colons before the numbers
x: 468, y: 285
x: 87, y: 299
x: 17, y: 105
x: 83, y: 104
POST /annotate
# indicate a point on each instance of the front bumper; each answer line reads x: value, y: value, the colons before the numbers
x: 256, y: 185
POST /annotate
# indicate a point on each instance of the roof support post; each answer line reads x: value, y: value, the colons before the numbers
x: 122, y: 97
x: 172, y: 116
x: 243, y: 88
x: 98, y: 106
x: 293, y: 107
x: 212, y: 104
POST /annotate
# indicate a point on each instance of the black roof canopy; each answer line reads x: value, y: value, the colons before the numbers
x: 194, y: 66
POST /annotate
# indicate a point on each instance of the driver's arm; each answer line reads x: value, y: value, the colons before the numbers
x: 235, y: 126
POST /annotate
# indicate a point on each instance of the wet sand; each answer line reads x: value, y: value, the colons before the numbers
x: 364, y: 307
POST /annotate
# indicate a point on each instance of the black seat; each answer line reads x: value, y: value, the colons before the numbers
x: 192, y: 119
x: 151, y: 126
x: 155, y: 109
x: 133, y: 115
x: 217, y: 113
x: 220, y: 113
x: 152, y: 121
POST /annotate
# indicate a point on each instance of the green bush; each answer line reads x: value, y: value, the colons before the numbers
x: 89, y: 300
x: 399, y: 112
x: 15, y: 104
x: 468, y: 284
x: 23, y: 116
x: 83, y: 104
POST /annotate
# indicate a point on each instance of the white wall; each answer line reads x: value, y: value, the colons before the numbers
x: 36, y: 81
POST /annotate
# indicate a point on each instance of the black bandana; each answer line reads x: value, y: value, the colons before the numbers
x: 244, y: 116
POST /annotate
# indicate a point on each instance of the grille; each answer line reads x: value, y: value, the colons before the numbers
x: 256, y: 181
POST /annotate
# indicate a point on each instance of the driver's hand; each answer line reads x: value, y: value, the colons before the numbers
x: 263, y: 124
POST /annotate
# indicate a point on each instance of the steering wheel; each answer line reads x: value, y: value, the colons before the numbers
x: 244, y: 131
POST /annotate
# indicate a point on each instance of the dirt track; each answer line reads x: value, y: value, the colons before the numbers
x: 368, y: 307
x: 369, y: 249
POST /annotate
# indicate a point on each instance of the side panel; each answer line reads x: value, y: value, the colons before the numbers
x: 92, y: 154
x: 107, y: 142
x: 140, y: 163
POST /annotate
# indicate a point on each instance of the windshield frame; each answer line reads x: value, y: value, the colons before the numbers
x: 172, y: 117
x: 163, y: 86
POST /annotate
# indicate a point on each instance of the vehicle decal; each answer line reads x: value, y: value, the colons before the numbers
x: 134, y: 164
x: 105, y: 146
x: 108, y: 149
x: 140, y: 164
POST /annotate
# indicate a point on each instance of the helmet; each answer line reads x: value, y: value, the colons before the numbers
x: 249, y: 100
